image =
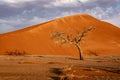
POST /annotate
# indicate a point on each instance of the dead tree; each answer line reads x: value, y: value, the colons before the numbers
x: 70, y: 39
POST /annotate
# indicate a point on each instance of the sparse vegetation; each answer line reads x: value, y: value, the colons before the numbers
x: 16, y: 53
x: 31, y: 68
x: 70, y: 39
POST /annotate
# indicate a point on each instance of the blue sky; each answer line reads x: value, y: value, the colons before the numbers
x: 17, y: 14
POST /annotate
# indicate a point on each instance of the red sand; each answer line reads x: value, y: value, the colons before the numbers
x: 105, y: 39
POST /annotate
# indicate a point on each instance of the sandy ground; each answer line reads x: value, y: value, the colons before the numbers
x: 45, y: 67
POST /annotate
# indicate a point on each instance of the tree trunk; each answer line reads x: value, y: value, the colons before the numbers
x: 80, y: 52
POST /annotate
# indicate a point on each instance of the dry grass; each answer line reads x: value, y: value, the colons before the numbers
x: 44, y: 67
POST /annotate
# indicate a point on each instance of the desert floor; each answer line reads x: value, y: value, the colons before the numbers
x: 48, y: 67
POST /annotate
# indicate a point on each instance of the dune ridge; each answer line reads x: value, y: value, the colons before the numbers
x: 36, y: 39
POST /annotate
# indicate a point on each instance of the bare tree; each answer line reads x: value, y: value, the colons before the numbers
x: 75, y: 40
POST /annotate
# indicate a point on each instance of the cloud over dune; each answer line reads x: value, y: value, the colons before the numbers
x: 16, y: 14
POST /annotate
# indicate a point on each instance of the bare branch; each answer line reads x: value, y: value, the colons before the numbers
x: 75, y: 40
x: 81, y: 36
x: 59, y: 36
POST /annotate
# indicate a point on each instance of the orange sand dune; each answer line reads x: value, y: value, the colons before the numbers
x: 105, y: 39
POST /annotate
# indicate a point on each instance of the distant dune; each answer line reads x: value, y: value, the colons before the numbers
x: 104, y: 40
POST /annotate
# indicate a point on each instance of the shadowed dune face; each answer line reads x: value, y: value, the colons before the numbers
x: 105, y: 39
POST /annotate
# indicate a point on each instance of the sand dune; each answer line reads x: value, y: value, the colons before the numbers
x: 105, y: 39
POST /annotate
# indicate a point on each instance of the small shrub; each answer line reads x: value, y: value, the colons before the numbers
x: 16, y: 53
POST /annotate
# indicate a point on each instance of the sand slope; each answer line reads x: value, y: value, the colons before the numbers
x: 105, y: 39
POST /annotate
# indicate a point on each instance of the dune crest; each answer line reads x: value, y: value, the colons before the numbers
x: 105, y: 39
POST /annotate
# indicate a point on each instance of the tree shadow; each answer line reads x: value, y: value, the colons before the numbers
x: 54, y: 78
x: 56, y: 71
x: 72, y: 58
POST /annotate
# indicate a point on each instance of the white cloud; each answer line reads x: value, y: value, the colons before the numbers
x: 11, y: 24
x: 65, y: 3
x: 15, y: 1
x: 37, y: 20
x: 6, y: 28
x: 114, y: 20
x: 30, y: 12
x: 83, y: 1
x: 59, y: 2
x: 7, y: 25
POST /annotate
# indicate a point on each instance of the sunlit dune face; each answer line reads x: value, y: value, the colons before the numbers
x: 104, y: 39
